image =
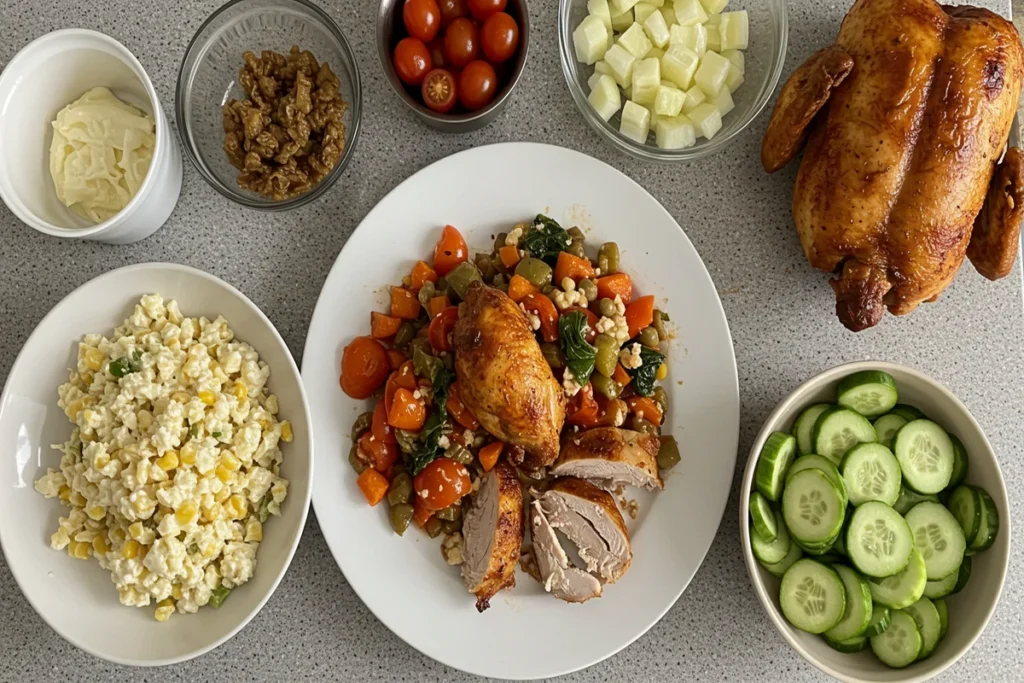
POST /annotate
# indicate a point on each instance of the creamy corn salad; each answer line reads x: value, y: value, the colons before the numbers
x: 173, y: 464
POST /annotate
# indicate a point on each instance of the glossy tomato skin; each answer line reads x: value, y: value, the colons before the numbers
x: 441, y: 483
x: 422, y: 19
x: 481, y: 9
x: 450, y: 251
x: 439, y: 91
x: 461, y: 42
x: 477, y: 85
x: 451, y: 10
x: 499, y: 37
x: 364, y: 367
x: 412, y: 60
x: 436, y: 49
x: 441, y: 328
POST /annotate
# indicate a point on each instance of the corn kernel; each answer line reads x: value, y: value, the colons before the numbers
x: 662, y: 372
x: 99, y: 546
x: 96, y: 512
x: 223, y: 494
x: 224, y: 474
x: 187, y: 454
x: 87, y: 379
x: 241, y: 392
x: 209, y: 550
x: 64, y: 493
x: 168, y: 461
x: 136, y: 530
x: 229, y: 461
x: 180, y: 397
x: 164, y: 612
x: 253, y: 530
x: 187, y: 513
x: 237, y: 506
x: 143, y: 551
x: 73, y: 409
x: 130, y: 549
x: 286, y: 431
x: 212, y: 513
x: 77, y: 499
x: 79, y: 550
x: 207, y: 397
x: 118, y: 534
x: 94, y: 359
x: 100, y: 460
x: 176, y: 591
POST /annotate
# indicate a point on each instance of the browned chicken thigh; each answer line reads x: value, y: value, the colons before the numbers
x: 905, y: 119
x: 503, y: 377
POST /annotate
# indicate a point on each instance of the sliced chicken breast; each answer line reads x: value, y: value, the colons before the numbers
x: 560, y: 577
x: 610, y: 457
x: 493, y: 535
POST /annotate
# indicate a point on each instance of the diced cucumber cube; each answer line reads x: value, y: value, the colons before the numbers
x: 734, y: 30
x: 711, y: 74
x: 590, y: 39
x: 723, y: 102
x: 713, y: 25
x: 679, y: 65
x: 668, y: 101
x: 694, y: 97
x: 620, y: 22
x: 714, y: 6
x: 657, y: 3
x: 737, y: 58
x: 599, y: 8
x: 707, y: 120
x: 601, y: 67
x: 642, y: 10
x: 646, y: 81
x: 694, y: 38
x: 657, y: 29
x: 621, y: 6
x: 675, y: 132
x: 628, y: 92
x: 604, y: 96
x: 689, y: 12
x: 594, y: 78
x: 735, y: 78
x: 635, y: 41
x: 621, y: 64
x: 636, y: 122
x: 656, y: 52
x: 669, y: 13
x: 654, y: 117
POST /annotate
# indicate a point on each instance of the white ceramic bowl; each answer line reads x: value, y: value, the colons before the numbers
x: 44, y: 77
x: 969, y: 610
x: 76, y: 598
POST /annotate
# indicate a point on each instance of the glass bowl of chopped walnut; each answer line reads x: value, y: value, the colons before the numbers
x: 269, y: 102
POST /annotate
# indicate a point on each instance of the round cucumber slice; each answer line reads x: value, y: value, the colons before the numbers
x: 855, y: 644
x: 939, y: 537
x: 813, y: 509
x: 965, y: 505
x: 776, y: 456
x: 959, y: 462
x: 839, y: 429
x: 803, y: 427
x: 857, y: 616
x: 770, y: 552
x: 909, y: 499
x: 878, y: 540
x: 988, y: 527
x: 928, y: 622
x: 870, y: 392
x: 880, y: 617
x: 887, y: 426
x: 943, y: 587
x: 900, y: 644
x: 812, y: 596
x: 925, y: 454
x: 818, y: 462
x: 908, y: 412
x: 763, y: 517
x: 779, y: 568
x: 871, y: 472
x: 943, y: 610
x: 904, y: 588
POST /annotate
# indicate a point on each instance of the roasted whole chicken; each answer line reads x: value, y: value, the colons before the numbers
x: 503, y: 377
x: 905, y: 119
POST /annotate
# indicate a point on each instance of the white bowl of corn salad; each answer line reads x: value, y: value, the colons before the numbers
x: 162, y: 460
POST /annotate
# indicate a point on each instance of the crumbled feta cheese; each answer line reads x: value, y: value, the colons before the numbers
x: 443, y: 443
x: 630, y: 358
x: 615, y: 326
x: 512, y: 239
x: 569, y: 383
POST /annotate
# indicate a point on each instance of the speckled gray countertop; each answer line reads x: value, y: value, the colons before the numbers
x: 780, y: 312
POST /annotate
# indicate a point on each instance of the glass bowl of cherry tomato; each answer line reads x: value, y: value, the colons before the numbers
x: 453, y: 62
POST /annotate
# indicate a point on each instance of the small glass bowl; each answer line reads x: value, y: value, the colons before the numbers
x: 208, y: 79
x: 769, y: 28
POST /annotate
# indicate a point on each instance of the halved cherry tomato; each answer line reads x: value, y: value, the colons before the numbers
x: 591, y: 321
x: 408, y: 411
x: 582, y: 409
x: 451, y: 10
x: 402, y: 378
x: 541, y: 306
x: 461, y: 42
x: 412, y: 60
x: 458, y: 409
x: 381, y: 456
x: 439, y: 91
x: 380, y: 427
x: 451, y: 250
x: 364, y: 367
x: 441, y: 483
x: 499, y: 38
x: 422, y: 19
x: 481, y: 9
x: 477, y: 85
x: 441, y: 328
x: 421, y: 513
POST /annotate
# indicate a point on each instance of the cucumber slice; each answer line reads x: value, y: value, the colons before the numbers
x: 837, y: 430
x: 965, y: 505
x: 857, y: 616
x: 813, y: 509
x: 959, y: 462
x: 770, y: 552
x: 840, y: 543
x: 763, y: 517
x: 855, y: 644
x: 909, y: 499
x: 904, y: 588
x: 818, y: 462
x: 963, y: 575
x: 939, y: 537
x: 901, y: 643
x: 812, y: 596
x: 871, y: 472
x: 928, y: 622
x: 879, y: 540
x: 776, y: 456
x: 925, y: 454
x: 880, y: 618
x: 943, y: 587
x: 988, y: 527
x: 870, y: 392
x: 779, y: 568
x: 819, y: 550
x: 910, y: 413
x: 803, y: 427
x: 943, y: 610
x: 887, y: 425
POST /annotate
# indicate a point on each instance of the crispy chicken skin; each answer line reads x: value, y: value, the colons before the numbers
x: 611, y: 456
x: 906, y: 117
x: 503, y: 377
x: 493, y: 532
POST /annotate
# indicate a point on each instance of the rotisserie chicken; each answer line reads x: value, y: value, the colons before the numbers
x: 905, y: 118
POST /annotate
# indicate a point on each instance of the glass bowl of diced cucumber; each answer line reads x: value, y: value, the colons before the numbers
x: 875, y: 524
x: 671, y: 80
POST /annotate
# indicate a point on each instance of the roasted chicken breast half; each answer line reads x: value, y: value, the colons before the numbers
x: 610, y: 457
x: 493, y: 535
x: 503, y: 377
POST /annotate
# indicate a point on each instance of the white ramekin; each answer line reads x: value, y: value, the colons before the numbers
x: 43, y: 78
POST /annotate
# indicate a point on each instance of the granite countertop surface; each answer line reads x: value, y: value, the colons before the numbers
x: 780, y: 313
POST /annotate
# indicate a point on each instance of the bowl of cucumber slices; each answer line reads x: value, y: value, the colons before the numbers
x: 875, y: 523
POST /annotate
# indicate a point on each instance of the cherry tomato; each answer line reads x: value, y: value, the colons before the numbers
x: 477, y: 85
x: 364, y: 367
x: 461, y: 42
x: 380, y: 428
x: 451, y: 10
x: 381, y: 456
x: 441, y: 328
x: 499, y: 37
x: 439, y: 91
x: 412, y: 60
x: 441, y: 483
x: 451, y: 250
x: 422, y: 19
x: 481, y: 9
x: 436, y: 49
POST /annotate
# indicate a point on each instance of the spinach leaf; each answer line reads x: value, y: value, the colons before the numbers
x: 126, y: 365
x: 644, y: 375
x: 426, y: 451
x: 546, y: 241
x: 579, y: 355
